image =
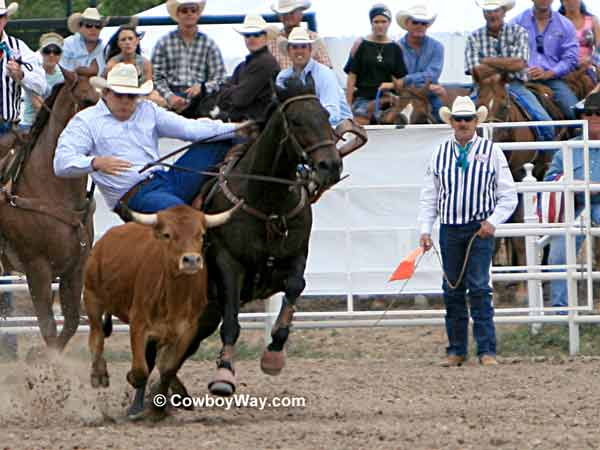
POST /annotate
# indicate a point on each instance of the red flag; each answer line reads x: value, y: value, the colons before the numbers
x: 406, y: 268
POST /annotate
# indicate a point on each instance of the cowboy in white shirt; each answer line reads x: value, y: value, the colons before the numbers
x: 470, y: 188
x: 85, y: 46
x: 117, y: 137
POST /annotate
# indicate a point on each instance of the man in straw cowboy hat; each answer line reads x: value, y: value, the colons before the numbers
x: 248, y: 93
x: 19, y: 66
x: 187, y: 63
x: 504, y: 47
x: 50, y: 48
x: 85, y: 46
x: 423, y: 55
x: 290, y: 14
x: 468, y: 185
x: 298, y: 46
x: 117, y: 137
x: 553, y: 51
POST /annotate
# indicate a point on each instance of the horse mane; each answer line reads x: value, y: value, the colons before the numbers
x: 294, y: 86
x: 43, y: 115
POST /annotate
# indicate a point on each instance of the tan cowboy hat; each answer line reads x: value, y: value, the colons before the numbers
x: 90, y: 15
x: 10, y: 10
x: 419, y: 11
x: 491, y: 5
x: 51, y: 39
x: 298, y: 35
x: 463, y: 106
x: 123, y: 79
x: 173, y: 5
x: 253, y: 23
x: 287, y: 6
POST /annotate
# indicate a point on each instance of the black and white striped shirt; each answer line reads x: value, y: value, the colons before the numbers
x: 485, y: 191
x: 10, y: 90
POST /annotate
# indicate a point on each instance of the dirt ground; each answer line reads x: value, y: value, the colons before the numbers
x: 363, y: 388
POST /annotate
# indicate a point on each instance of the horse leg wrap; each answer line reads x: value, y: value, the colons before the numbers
x: 279, y: 338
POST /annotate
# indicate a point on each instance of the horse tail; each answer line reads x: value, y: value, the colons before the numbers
x: 107, y: 325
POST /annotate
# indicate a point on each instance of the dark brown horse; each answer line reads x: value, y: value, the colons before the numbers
x: 45, y: 221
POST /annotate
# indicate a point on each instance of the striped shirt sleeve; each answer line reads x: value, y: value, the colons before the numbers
x: 428, y: 210
x: 506, y: 193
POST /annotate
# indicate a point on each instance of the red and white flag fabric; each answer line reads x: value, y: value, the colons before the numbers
x: 551, y: 205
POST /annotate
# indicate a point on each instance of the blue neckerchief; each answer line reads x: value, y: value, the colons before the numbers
x: 462, y: 160
x: 6, y: 49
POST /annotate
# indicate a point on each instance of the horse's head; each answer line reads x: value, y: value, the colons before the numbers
x: 307, y: 123
x: 78, y: 83
x: 493, y: 94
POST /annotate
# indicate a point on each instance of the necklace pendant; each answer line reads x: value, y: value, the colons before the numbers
x: 379, y: 58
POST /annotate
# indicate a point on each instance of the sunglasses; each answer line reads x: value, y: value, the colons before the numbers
x: 97, y: 26
x: 299, y: 46
x: 47, y: 51
x: 464, y: 118
x: 254, y: 35
x: 128, y: 96
x: 187, y: 9
x: 539, y: 42
x: 419, y: 22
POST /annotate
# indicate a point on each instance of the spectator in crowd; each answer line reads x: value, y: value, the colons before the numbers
x: 423, y: 55
x: 456, y: 169
x: 249, y: 91
x: 299, y: 47
x: 504, y: 47
x: 51, y: 49
x: 114, y: 139
x: 557, y: 255
x: 85, y: 46
x: 587, y: 29
x: 553, y: 51
x: 290, y: 14
x: 375, y: 63
x: 124, y: 46
x: 186, y: 62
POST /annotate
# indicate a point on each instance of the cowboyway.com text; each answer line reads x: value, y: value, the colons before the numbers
x: 235, y: 401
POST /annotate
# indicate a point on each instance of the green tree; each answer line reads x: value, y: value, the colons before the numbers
x: 38, y: 9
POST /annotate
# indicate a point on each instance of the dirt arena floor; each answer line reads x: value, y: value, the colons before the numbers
x: 363, y: 388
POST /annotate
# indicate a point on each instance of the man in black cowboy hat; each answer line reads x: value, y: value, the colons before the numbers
x: 591, y: 113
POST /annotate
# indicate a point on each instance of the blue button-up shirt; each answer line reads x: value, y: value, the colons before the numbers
x: 75, y: 54
x: 96, y: 132
x: 424, y: 64
x: 557, y: 168
x: 561, y: 48
x: 328, y: 89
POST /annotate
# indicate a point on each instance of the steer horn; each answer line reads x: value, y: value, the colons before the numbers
x: 144, y: 219
x: 215, y: 220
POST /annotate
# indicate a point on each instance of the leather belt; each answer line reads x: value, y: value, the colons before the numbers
x: 129, y: 194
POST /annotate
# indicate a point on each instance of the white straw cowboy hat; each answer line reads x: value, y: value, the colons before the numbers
x: 51, y: 39
x: 173, y: 5
x: 298, y: 35
x: 287, y: 6
x: 8, y: 10
x: 253, y: 23
x: 419, y: 11
x: 90, y: 15
x: 123, y: 79
x: 491, y: 5
x: 463, y: 107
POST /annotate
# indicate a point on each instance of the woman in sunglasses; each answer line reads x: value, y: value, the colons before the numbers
x: 248, y: 93
x: 51, y: 49
x: 85, y: 46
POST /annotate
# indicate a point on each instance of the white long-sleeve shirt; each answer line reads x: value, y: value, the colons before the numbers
x: 96, y: 132
x: 485, y: 191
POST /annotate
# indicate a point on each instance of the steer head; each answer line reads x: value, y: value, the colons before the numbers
x: 181, y: 230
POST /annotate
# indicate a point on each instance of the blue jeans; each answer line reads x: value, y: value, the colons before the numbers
x: 176, y: 187
x: 563, y: 95
x: 436, y: 104
x: 529, y: 102
x: 558, y: 255
x: 454, y: 240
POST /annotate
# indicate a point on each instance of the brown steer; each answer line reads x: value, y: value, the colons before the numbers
x: 150, y: 274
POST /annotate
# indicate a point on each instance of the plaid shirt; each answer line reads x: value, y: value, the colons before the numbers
x: 513, y: 43
x: 178, y: 66
x: 284, y: 61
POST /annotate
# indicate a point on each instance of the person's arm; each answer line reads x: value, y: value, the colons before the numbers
x: 321, y: 54
x: 171, y: 125
x: 329, y: 94
x: 216, y: 68
x: 34, y: 80
x: 429, y: 198
x: 147, y: 70
x: 350, y: 86
x: 112, y: 62
x: 556, y: 167
x: 472, y: 51
x: 506, y: 193
x: 67, y: 58
x: 72, y: 158
x: 246, y: 91
x: 569, y: 54
x: 433, y: 70
x: 159, y: 63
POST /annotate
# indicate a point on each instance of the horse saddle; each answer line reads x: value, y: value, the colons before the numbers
x: 545, y: 96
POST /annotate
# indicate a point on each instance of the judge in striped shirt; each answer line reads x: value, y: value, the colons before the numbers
x: 469, y: 186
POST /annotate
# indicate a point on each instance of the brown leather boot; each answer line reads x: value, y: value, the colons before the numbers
x: 454, y: 361
x: 488, y: 360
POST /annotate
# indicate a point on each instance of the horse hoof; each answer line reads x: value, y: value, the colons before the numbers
x: 223, y: 384
x: 271, y: 363
x: 100, y: 381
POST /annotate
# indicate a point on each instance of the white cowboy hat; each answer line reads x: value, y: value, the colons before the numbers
x: 51, y: 39
x: 123, y: 79
x: 253, y: 23
x: 8, y: 10
x: 463, y: 106
x: 90, y: 14
x: 287, y: 6
x: 173, y: 5
x: 298, y: 35
x: 491, y: 5
x: 418, y: 11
